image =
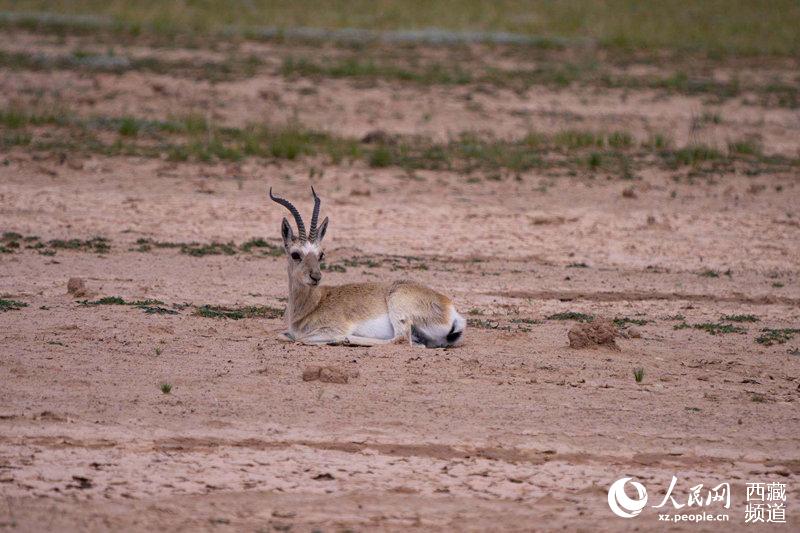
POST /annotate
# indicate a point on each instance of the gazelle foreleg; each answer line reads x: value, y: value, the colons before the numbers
x: 354, y: 340
x: 321, y: 339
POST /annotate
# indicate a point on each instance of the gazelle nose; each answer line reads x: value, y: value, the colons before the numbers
x: 316, y: 276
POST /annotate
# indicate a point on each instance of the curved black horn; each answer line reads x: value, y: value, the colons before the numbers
x: 312, y: 233
x: 301, y: 228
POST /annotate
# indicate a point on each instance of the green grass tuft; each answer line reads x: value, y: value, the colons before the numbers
x: 574, y: 139
x: 712, y: 328
x: 528, y: 321
x: 744, y: 147
x: 620, y: 139
x: 571, y: 315
x: 98, y: 245
x: 380, y: 157
x: 771, y: 336
x: 739, y: 318
x: 149, y: 306
x: 266, y: 248
x: 108, y: 300
x: 624, y: 321
x: 238, y: 313
x: 11, y: 305
x: 129, y: 127
x: 157, y: 310
x: 214, y: 248
x: 355, y: 68
x: 692, y: 155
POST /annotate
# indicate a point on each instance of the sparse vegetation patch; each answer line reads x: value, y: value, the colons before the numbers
x: 11, y: 305
x: 11, y: 242
x: 771, y: 336
x: 257, y: 246
x: 231, y: 68
x: 238, y: 313
x: 150, y: 307
x: 195, y: 138
x: 262, y: 247
x: 713, y: 328
x: 626, y: 321
x: 571, y: 315
x: 739, y: 318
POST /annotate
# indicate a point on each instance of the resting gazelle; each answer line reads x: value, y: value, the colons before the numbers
x: 363, y: 314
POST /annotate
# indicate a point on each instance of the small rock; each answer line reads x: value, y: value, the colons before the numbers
x: 629, y: 192
x: 311, y: 373
x: 634, y: 333
x: 81, y: 482
x: 599, y: 332
x: 76, y: 287
x: 329, y: 374
x: 541, y: 220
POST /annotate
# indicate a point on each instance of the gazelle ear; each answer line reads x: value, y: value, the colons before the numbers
x: 322, y: 229
x: 287, y: 233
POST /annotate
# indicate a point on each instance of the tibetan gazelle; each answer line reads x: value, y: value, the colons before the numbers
x: 363, y: 314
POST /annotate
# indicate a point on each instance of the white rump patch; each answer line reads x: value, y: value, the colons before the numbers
x: 375, y: 328
x: 459, y: 321
x: 436, y: 334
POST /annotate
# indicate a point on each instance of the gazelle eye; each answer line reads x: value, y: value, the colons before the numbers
x: 296, y: 256
x: 321, y: 256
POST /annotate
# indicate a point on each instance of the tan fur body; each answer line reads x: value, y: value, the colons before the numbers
x: 338, y: 310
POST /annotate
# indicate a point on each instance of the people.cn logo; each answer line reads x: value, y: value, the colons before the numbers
x: 622, y: 505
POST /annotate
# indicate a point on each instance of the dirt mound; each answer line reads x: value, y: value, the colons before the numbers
x: 598, y: 332
x: 76, y: 287
x: 326, y: 374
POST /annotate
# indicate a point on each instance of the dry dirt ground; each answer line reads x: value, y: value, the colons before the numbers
x: 514, y: 430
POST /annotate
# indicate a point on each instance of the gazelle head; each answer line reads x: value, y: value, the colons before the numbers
x: 303, y: 252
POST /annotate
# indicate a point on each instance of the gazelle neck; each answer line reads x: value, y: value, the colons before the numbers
x: 303, y: 299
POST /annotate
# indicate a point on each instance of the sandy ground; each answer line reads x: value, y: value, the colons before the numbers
x: 514, y: 430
